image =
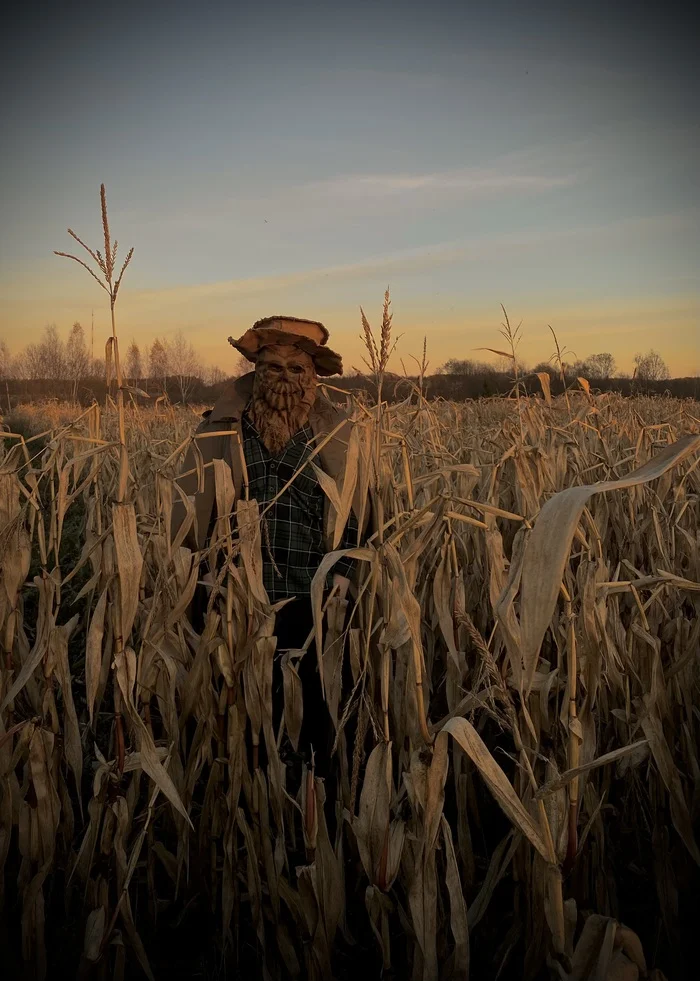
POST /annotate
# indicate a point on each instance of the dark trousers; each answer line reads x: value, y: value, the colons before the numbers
x: 294, y: 624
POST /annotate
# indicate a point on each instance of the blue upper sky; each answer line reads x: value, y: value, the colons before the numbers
x: 299, y: 158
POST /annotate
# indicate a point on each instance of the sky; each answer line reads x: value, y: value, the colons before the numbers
x: 299, y: 158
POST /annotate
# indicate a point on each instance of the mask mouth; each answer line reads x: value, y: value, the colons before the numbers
x: 283, y: 386
x: 281, y: 394
x: 283, y: 400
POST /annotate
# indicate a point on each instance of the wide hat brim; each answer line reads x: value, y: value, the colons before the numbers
x: 326, y: 361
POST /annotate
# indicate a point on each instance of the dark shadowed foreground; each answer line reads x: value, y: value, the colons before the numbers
x: 514, y: 780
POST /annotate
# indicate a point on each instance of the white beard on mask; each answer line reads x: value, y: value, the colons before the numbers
x: 282, y: 399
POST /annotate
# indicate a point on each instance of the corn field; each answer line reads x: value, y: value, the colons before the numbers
x: 517, y: 775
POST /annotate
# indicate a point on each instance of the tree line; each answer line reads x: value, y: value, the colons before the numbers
x: 69, y: 369
x: 467, y: 379
x: 70, y: 366
x: 648, y: 367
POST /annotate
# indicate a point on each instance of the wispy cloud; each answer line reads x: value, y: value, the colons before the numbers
x: 531, y: 170
x: 472, y: 181
x: 485, y: 248
x: 537, y: 168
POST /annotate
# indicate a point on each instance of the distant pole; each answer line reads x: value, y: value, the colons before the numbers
x: 92, y: 338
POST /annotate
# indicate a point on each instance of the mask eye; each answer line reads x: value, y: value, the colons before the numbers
x: 296, y: 369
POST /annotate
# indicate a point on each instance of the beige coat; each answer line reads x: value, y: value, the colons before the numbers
x: 224, y: 418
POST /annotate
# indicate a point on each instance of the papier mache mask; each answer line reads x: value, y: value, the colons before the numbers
x: 288, y: 355
x: 284, y: 390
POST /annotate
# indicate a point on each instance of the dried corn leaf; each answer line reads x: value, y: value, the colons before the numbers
x: 545, y: 382
x: 372, y: 823
x: 350, y: 478
x: 473, y: 745
x: 459, y: 923
x: 248, y: 518
x: 318, y: 585
x: 93, y: 652
x: 71, y: 732
x: 329, y: 488
x: 672, y: 781
x: 561, y: 780
x: 442, y: 589
x: 47, y: 588
x: 94, y: 932
x: 498, y: 866
x: 129, y: 564
x: 550, y: 541
x: 293, y: 700
x: 125, y: 667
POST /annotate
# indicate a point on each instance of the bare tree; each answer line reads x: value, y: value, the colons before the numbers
x: 597, y: 366
x: 215, y: 375
x: 97, y: 368
x: 5, y: 361
x: 184, y: 364
x: 55, y: 353
x: 546, y: 367
x: 133, y: 368
x: 34, y: 367
x: 651, y: 367
x: 5, y: 369
x: 46, y: 361
x: 18, y: 366
x: 158, y: 361
x: 241, y: 366
x: 455, y: 366
x: 77, y: 357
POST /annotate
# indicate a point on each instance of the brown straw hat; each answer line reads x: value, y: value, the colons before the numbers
x: 309, y: 335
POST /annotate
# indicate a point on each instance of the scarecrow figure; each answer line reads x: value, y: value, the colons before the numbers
x: 278, y: 417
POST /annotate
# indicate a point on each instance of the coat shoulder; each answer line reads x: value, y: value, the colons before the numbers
x: 205, y: 421
x: 212, y: 422
x: 233, y: 401
x: 329, y: 412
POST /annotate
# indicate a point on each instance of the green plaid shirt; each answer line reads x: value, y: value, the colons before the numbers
x: 292, y: 530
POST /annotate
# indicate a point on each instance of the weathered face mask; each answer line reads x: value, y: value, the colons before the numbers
x: 283, y: 392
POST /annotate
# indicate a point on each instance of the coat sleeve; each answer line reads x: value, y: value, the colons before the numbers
x: 204, y: 500
x: 335, y: 460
